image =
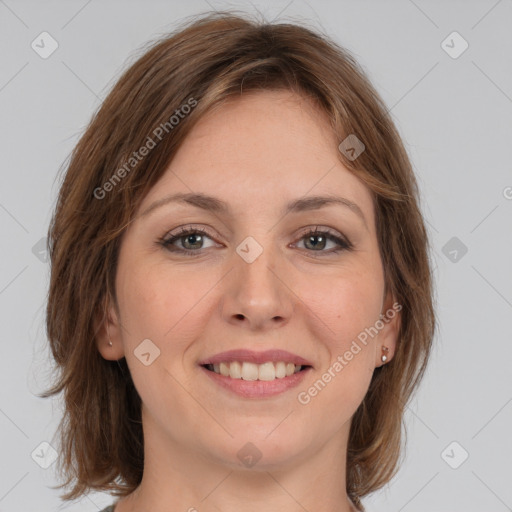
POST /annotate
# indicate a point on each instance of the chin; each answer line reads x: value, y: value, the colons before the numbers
x: 260, y: 448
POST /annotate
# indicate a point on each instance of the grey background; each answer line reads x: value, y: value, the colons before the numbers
x: 455, y: 117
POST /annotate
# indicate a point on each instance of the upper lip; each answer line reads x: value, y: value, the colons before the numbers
x: 251, y: 356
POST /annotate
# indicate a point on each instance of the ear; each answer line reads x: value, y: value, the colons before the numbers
x: 388, y: 335
x: 108, y: 330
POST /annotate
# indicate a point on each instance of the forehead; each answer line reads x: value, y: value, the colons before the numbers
x: 265, y: 147
x: 270, y: 118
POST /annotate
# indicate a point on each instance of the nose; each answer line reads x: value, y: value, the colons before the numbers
x: 258, y: 294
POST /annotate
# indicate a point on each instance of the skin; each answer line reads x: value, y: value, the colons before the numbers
x: 256, y: 154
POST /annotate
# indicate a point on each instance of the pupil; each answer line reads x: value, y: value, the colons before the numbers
x: 191, y: 237
x: 316, y: 236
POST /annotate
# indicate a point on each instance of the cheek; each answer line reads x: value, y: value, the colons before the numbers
x: 163, y: 305
x: 165, y: 308
x: 344, y: 308
x: 345, y: 304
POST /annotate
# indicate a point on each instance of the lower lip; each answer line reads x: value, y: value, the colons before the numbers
x: 257, y: 388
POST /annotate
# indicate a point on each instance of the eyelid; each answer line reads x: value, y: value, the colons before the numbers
x: 193, y: 228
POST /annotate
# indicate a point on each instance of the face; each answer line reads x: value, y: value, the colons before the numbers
x: 293, y: 284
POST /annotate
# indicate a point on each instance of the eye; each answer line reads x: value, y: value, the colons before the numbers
x: 316, y: 240
x: 191, y: 240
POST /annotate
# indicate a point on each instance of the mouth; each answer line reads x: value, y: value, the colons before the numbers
x: 256, y: 374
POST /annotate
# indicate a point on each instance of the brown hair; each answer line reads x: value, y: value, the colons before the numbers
x: 210, y: 59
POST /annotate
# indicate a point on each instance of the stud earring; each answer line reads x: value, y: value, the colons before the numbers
x: 384, y: 357
x: 109, y: 340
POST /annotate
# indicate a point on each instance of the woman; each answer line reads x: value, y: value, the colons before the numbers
x: 240, y: 302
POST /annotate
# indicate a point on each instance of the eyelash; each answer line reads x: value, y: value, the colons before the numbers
x: 344, y: 245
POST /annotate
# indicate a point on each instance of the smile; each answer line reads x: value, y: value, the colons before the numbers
x: 255, y: 374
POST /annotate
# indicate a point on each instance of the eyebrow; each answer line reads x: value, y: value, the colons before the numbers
x: 215, y: 205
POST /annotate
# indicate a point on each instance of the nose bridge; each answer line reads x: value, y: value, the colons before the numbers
x: 257, y: 291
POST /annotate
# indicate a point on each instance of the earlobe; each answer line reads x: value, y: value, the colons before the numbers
x: 388, y: 336
x: 108, y: 335
x: 385, y: 351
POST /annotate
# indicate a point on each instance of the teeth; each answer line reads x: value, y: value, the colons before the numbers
x: 224, y: 369
x: 267, y: 371
x: 281, y: 370
x: 235, y: 370
x: 251, y: 371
